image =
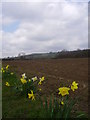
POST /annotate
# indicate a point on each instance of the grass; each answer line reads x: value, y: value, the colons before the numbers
x: 15, y: 106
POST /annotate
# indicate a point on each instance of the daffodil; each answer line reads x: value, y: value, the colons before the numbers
x: 31, y: 95
x: 24, y: 76
x: 23, y: 81
x: 42, y: 79
x: 63, y: 91
x: 7, y: 84
x: 74, y: 86
x: 7, y: 67
x: 34, y: 79
x: 2, y: 70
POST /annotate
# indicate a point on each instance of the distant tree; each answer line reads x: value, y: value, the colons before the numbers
x: 78, y: 49
x: 64, y: 50
x: 50, y: 52
x: 21, y: 55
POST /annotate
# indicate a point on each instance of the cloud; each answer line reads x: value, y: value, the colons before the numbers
x: 45, y: 27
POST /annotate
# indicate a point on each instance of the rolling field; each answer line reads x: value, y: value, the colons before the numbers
x: 56, y: 72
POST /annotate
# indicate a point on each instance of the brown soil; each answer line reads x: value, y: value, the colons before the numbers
x: 57, y: 72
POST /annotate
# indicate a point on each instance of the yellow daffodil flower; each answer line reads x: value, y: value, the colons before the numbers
x: 24, y: 76
x: 7, y: 67
x: 34, y: 79
x: 23, y: 81
x: 74, y: 86
x: 7, y: 84
x: 63, y: 91
x: 31, y: 95
x: 42, y: 79
x: 2, y: 70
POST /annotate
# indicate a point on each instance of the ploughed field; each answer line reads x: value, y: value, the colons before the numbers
x: 57, y: 72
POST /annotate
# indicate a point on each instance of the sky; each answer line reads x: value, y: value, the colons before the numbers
x: 41, y: 26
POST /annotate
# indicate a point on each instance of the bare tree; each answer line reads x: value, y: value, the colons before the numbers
x: 21, y: 55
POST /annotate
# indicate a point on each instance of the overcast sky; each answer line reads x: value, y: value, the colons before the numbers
x: 35, y: 27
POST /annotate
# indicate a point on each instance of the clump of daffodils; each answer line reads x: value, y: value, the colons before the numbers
x: 3, y: 70
x: 64, y: 91
x: 29, y: 86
